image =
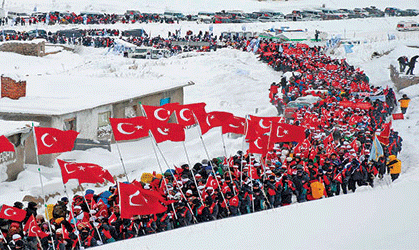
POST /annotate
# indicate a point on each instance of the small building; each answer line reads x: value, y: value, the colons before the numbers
x: 84, y: 104
x: 12, y: 163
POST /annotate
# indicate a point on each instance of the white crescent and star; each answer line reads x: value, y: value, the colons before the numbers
x: 7, y: 214
x: 182, y: 115
x: 256, y: 144
x: 285, y: 132
x: 209, y: 117
x: 43, y: 140
x: 66, y: 169
x: 132, y: 196
x: 163, y: 132
x: 122, y: 131
x: 262, y: 125
x: 233, y: 126
x: 156, y: 114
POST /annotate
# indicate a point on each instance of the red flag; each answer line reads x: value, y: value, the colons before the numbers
x: 258, y: 125
x: 134, y: 200
x: 12, y: 213
x: 84, y: 172
x: 185, y: 113
x: 129, y: 128
x: 354, y: 145
x: 282, y: 132
x: 211, y: 182
x: 260, y: 145
x: 168, y: 132
x: 234, y: 125
x: 112, y: 218
x: 330, y: 149
x: 6, y: 145
x: 211, y: 120
x: 159, y: 113
x: 398, y: 116
x: 33, y: 229
x: 338, y: 177
x: 328, y: 140
x: 66, y: 235
x: 385, y: 134
x: 52, y: 140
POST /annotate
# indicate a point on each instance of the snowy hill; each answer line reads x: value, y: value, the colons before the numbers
x: 385, y: 217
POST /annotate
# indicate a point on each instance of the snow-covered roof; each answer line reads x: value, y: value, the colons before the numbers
x: 49, y: 95
x: 8, y: 128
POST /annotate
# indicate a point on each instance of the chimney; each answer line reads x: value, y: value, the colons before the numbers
x: 12, y: 89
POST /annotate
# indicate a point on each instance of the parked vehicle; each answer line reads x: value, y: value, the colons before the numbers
x: 301, y: 102
x: 407, y: 26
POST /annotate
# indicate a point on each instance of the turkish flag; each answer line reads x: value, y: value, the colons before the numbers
x: 282, y: 132
x: 211, y: 182
x: 112, y: 218
x: 129, y: 128
x: 66, y: 235
x: 160, y: 113
x: 354, y: 145
x: 234, y: 125
x: 259, y: 145
x: 211, y: 120
x: 52, y: 140
x: 168, y: 132
x: 33, y: 229
x: 328, y: 140
x: 134, y: 200
x: 12, y: 213
x: 259, y: 125
x: 6, y: 145
x: 84, y: 172
x: 385, y: 134
x: 185, y: 113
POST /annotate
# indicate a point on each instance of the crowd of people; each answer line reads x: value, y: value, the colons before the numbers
x: 333, y: 159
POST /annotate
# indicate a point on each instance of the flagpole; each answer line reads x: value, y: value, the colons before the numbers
x: 72, y: 212
x: 45, y: 204
x: 180, y: 189
x: 242, y: 156
x: 97, y: 230
x: 7, y: 243
x: 241, y: 164
x: 36, y: 145
x: 225, y: 155
x: 161, y: 170
x: 120, y: 156
x: 210, y: 162
x: 190, y: 169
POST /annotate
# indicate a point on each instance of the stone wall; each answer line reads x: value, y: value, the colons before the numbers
x: 402, y: 81
x: 32, y: 48
x: 12, y: 89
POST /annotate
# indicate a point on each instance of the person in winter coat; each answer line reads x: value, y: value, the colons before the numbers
x: 404, y: 103
x: 395, y: 166
x: 30, y: 210
x: 403, y: 62
x: 412, y: 63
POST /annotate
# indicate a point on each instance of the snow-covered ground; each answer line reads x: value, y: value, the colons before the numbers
x: 385, y: 217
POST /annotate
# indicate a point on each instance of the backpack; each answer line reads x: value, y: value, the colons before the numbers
x: 317, y: 189
x: 59, y: 211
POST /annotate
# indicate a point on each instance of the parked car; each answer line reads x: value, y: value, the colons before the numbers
x: 300, y: 102
x: 407, y: 26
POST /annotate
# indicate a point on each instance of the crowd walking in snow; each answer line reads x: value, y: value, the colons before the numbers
x: 346, y: 142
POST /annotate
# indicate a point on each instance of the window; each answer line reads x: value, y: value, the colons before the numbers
x: 103, y: 119
x: 164, y: 101
x: 70, y: 124
x: 131, y: 111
